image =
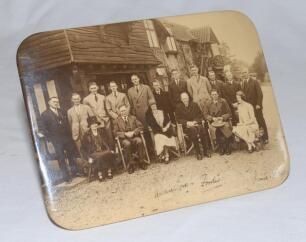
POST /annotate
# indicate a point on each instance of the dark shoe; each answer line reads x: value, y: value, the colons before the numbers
x: 109, y: 176
x: 222, y: 152
x: 228, y: 150
x: 266, y: 141
x: 131, y: 169
x: 251, y: 150
x: 199, y: 156
x: 207, y: 154
x: 68, y: 181
x: 143, y: 166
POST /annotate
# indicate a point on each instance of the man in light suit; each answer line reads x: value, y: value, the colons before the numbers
x: 96, y: 102
x: 77, y: 118
x: 198, y: 87
x: 141, y: 98
x: 115, y: 100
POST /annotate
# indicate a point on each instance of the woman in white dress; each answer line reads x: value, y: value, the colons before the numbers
x: 161, y: 126
x: 247, y: 127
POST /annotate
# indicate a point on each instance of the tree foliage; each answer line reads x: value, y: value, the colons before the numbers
x: 259, y: 66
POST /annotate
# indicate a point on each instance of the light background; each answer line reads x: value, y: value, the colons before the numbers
x: 278, y: 214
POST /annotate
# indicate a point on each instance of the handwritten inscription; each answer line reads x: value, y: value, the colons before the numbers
x: 205, y: 181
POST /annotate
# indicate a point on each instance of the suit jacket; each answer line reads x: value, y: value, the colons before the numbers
x: 219, y: 109
x: 55, y: 127
x: 141, y: 101
x: 199, y: 89
x: 163, y: 102
x: 120, y: 126
x: 176, y: 90
x: 112, y: 104
x: 219, y: 86
x: 97, y: 107
x: 230, y: 90
x: 88, y: 145
x: 78, y: 121
x: 190, y: 113
x: 253, y: 92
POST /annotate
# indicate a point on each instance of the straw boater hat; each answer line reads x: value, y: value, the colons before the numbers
x: 92, y: 120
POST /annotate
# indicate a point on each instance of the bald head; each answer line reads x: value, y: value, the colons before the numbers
x: 185, y: 98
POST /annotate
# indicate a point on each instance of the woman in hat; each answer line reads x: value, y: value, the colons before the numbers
x: 247, y: 127
x: 96, y: 150
x: 160, y: 123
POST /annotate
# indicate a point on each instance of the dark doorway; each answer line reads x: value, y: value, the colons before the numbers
x: 123, y: 81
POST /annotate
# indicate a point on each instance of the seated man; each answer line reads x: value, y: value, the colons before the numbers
x: 127, y: 128
x: 189, y: 115
x: 218, y: 114
x: 96, y: 150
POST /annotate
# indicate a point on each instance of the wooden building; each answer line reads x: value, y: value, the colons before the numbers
x: 178, y: 47
x: 58, y: 63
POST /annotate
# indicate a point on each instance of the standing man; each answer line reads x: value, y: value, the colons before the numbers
x: 177, y: 86
x: 127, y: 128
x: 189, y: 115
x: 215, y: 84
x: 141, y: 98
x: 77, y: 117
x: 198, y: 88
x: 231, y: 87
x: 252, y: 90
x: 163, y: 101
x: 96, y: 102
x: 115, y: 100
x: 218, y: 114
x: 56, y: 130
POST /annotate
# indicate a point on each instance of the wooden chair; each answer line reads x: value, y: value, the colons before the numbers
x: 121, y: 150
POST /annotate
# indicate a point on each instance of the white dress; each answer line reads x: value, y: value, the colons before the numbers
x: 162, y: 140
x: 247, y: 127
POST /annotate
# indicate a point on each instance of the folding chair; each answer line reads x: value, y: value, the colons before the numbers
x: 121, y: 150
x: 175, y: 151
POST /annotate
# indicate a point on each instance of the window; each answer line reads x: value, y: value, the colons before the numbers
x: 151, y: 33
x: 51, y: 88
x: 38, y: 91
x: 170, y: 41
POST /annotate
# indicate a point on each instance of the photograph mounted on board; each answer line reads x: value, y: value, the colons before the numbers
x: 136, y: 118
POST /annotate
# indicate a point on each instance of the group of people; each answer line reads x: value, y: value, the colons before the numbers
x: 205, y: 107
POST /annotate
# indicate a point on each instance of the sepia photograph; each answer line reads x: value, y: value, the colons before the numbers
x: 136, y: 118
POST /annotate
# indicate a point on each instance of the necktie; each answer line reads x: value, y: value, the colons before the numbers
x: 96, y: 97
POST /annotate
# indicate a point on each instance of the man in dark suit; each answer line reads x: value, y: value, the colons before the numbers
x: 231, y: 87
x: 252, y: 90
x: 56, y: 130
x: 141, y: 98
x: 215, y: 84
x: 163, y: 100
x: 127, y: 128
x: 177, y: 86
x: 190, y: 116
